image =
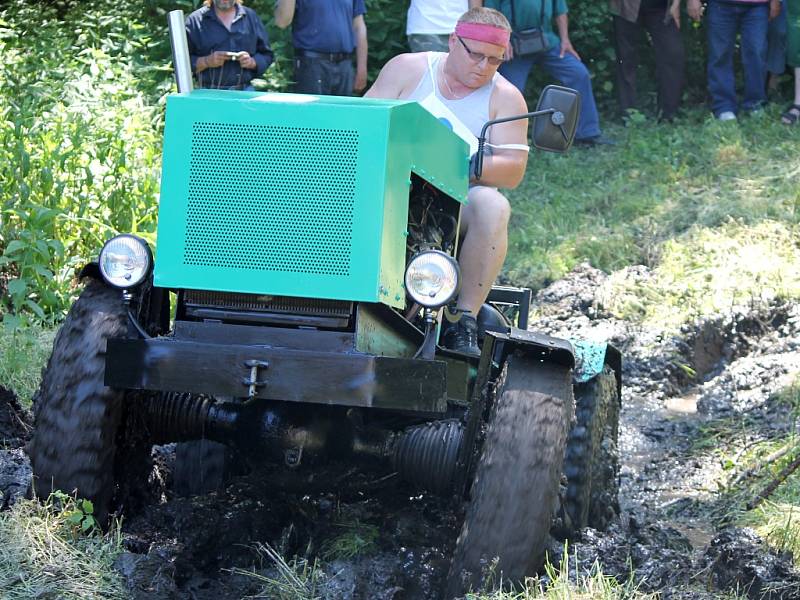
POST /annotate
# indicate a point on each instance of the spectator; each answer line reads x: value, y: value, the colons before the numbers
x: 663, y: 23
x: 429, y: 23
x: 560, y: 59
x: 749, y: 18
x: 776, y: 50
x: 325, y: 33
x: 228, y: 45
x: 792, y: 114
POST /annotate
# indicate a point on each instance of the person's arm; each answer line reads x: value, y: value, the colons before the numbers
x: 360, y: 30
x: 675, y: 12
x: 263, y: 56
x: 694, y: 9
x: 284, y: 13
x: 505, y: 168
x: 774, y: 8
x: 563, y: 32
x: 391, y: 80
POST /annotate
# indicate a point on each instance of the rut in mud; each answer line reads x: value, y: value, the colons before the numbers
x: 376, y: 537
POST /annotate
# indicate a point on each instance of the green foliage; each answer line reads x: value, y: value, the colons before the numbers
x: 297, y: 579
x: 23, y: 353
x: 45, y: 554
x: 356, y: 539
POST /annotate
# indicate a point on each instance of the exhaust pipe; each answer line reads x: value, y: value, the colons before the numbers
x: 180, y: 51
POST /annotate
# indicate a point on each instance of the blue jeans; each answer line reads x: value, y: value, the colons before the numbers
x: 724, y: 20
x: 570, y: 72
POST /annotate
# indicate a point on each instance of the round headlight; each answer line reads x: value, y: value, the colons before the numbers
x: 125, y: 261
x: 432, y: 278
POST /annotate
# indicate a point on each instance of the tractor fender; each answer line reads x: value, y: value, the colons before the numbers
x: 591, y: 357
x: 537, y: 345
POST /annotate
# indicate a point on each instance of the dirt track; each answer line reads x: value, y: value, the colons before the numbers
x: 186, y: 548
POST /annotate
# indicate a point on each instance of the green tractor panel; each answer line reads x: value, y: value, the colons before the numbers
x: 290, y: 229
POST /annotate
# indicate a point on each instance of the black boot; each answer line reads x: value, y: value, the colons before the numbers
x: 461, y: 336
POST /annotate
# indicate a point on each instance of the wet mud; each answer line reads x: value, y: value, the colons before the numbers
x: 375, y: 537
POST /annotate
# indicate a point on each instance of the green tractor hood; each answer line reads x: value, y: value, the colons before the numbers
x: 295, y: 195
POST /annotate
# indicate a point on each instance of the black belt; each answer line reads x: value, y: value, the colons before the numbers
x: 331, y: 56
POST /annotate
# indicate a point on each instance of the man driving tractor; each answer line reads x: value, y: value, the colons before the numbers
x: 462, y: 88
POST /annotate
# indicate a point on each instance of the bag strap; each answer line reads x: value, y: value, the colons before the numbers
x: 541, y: 18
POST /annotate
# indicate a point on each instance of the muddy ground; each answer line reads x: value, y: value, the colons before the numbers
x: 202, y: 547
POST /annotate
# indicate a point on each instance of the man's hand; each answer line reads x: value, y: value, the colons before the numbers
x: 774, y: 9
x: 675, y: 12
x: 361, y: 80
x: 216, y: 59
x: 247, y: 61
x: 695, y: 9
x: 566, y: 48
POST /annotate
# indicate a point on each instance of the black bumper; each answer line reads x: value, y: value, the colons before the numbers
x: 319, y: 377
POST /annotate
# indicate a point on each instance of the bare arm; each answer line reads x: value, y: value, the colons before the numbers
x: 505, y: 168
x: 360, y: 29
x: 562, y: 23
x: 395, y: 75
x: 284, y: 13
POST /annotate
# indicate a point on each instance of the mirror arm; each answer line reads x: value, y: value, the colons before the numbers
x: 557, y: 117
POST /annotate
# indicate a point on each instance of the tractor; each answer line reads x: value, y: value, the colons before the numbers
x: 306, y: 257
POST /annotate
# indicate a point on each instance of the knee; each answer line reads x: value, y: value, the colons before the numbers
x: 489, y: 208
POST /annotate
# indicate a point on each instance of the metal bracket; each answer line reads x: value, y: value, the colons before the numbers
x: 253, y: 382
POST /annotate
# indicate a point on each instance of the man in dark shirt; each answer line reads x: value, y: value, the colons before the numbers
x: 663, y: 23
x: 228, y: 45
x: 325, y: 33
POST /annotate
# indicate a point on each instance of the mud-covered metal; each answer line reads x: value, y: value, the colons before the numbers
x: 345, y: 379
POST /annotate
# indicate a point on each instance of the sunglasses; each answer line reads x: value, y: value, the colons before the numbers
x: 477, y: 57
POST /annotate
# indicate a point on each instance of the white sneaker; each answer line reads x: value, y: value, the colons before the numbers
x: 726, y: 116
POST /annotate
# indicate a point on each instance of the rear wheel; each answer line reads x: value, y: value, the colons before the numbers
x: 79, y: 435
x: 515, y: 490
x: 591, y: 463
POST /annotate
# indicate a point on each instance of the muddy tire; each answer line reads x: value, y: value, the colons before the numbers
x: 591, y: 463
x: 200, y: 467
x: 515, y: 490
x: 77, y: 418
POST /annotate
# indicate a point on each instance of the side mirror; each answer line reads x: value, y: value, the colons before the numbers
x: 555, y: 130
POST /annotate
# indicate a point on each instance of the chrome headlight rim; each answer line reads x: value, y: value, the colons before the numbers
x: 426, y: 301
x: 144, y: 273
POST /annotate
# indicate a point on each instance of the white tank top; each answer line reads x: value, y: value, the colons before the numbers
x: 472, y: 110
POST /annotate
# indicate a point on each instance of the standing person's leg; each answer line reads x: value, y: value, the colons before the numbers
x: 307, y: 75
x: 516, y: 71
x: 792, y: 9
x: 754, y: 24
x: 573, y: 73
x: 721, y: 24
x: 626, y: 40
x: 670, y: 60
x: 341, y: 78
x: 776, y: 49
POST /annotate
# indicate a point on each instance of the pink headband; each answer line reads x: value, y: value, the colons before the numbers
x: 482, y: 32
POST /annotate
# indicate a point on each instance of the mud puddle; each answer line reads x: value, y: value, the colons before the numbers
x: 375, y: 537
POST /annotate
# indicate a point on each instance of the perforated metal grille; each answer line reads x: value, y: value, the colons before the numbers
x: 260, y: 302
x: 271, y: 198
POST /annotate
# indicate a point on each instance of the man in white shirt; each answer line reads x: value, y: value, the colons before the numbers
x: 430, y: 22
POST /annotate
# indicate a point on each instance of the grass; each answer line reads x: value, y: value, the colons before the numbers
x: 693, y: 200
x: 355, y: 539
x: 42, y: 555
x: 23, y: 353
